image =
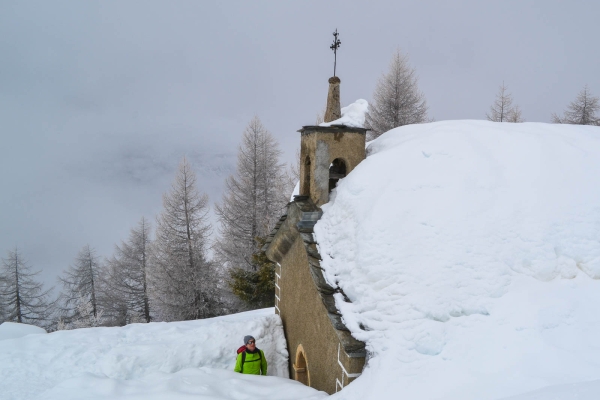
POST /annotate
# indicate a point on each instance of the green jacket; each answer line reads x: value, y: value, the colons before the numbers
x: 255, y: 363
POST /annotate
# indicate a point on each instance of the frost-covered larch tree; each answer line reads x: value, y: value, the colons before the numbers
x: 581, y: 111
x: 22, y: 297
x: 86, y: 318
x: 184, y: 283
x: 125, y: 296
x: 503, y: 110
x: 397, y: 100
x: 254, y: 198
x: 80, y: 281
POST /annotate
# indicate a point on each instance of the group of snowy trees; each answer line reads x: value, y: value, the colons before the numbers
x: 581, y: 111
x: 168, y: 278
x: 167, y: 274
x: 397, y: 101
x: 92, y: 293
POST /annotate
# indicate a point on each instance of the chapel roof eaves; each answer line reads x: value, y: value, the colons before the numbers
x: 305, y: 214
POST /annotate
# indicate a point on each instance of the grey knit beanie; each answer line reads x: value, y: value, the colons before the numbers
x: 247, y: 338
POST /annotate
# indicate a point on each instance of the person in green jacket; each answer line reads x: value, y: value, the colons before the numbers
x: 250, y: 359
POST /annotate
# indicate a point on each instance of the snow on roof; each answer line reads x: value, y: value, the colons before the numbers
x: 471, y: 253
x: 353, y: 115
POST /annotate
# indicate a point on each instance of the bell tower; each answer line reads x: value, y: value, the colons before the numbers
x: 327, y: 357
x: 329, y: 153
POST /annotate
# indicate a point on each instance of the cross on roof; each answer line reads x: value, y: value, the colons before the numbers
x: 336, y: 44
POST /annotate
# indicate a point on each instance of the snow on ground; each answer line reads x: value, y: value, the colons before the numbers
x: 471, y: 253
x: 352, y: 115
x: 571, y: 391
x: 176, y: 360
x: 12, y: 330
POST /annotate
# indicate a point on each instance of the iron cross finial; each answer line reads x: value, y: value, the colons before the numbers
x: 336, y: 44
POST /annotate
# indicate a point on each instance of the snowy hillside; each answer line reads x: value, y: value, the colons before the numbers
x: 13, y: 330
x: 471, y: 253
x: 176, y: 360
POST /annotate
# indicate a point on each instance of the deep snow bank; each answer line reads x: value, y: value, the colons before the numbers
x: 572, y: 391
x: 151, y: 361
x: 193, y: 383
x: 13, y: 330
x: 471, y: 253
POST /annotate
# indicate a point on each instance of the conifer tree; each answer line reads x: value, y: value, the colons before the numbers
x: 255, y: 287
x: 581, y: 111
x: 125, y: 282
x: 85, y: 314
x: 80, y: 281
x: 254, y: 199
x: 516, y: 116
x: 502, y: 110
x: 397, y: 100
x: 22, y: 298
x: 184, y: 281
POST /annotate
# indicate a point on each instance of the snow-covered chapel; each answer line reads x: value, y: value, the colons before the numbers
x: 323, y: 354
x: 464, y: 253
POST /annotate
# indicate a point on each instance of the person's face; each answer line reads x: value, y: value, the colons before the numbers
x: 251, y: 345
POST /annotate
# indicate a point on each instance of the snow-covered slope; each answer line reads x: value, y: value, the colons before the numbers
x: 176, y: 360
x: 572, y: 391
x: 471, y: 253
x: 470, y: 250
x: 12, y: 330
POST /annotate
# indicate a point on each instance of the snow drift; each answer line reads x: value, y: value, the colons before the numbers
x: 13, y: 330
x: 471, y: 253
x: 175, y: 360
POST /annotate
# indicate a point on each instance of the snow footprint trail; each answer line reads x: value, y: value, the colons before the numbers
x: 173, y: 359
x: 454, y: 240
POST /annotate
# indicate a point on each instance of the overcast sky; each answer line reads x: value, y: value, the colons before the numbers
x: 100, y: 100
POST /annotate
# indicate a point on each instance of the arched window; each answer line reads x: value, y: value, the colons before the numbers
x: 337, y: 171
x: 306, y: 183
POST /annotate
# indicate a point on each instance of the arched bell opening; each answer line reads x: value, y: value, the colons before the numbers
x: 306, y: 183
x: 301, y: 367
x: 337, y: 171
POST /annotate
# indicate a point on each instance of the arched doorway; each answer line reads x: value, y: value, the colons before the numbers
x: 337, y: 171
x: 301, y: 367
x: 306, y: 183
